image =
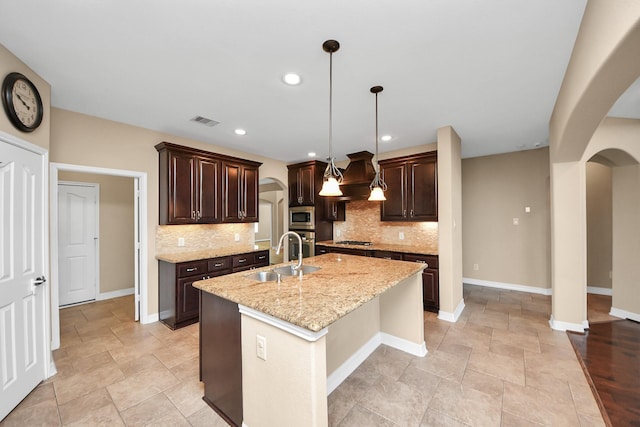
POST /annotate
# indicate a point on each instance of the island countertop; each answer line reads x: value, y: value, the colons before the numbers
x: 407, y: 249
x: 343, y: 284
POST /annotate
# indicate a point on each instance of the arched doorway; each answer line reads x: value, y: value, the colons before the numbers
x: 272, y: 224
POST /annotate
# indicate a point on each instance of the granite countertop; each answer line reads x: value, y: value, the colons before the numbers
x: 205, y: 254
x: 408, y: 249
x: 344, y: 283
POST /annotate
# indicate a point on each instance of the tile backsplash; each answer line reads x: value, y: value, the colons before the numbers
x: 363, y: 223
x: 205, y: 236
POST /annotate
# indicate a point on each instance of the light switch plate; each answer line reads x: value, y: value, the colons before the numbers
x: 261, y: 347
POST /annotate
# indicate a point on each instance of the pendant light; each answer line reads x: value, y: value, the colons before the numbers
x: 377, y: 186
x: 332, y: 175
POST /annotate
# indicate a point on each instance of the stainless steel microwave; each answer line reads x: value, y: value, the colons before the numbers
x: 302, y: 218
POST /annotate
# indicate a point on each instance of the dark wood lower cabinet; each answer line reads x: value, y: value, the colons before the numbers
x: 178, y: 300
x: 221, y: 356
x: 430, y: 290
x: 430, y: 279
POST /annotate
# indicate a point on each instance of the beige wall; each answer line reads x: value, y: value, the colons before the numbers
x: 599, y: 217
x: 495, y: 190
x: 116, y: 228
x: 10, y: 63
x: 89, y: 141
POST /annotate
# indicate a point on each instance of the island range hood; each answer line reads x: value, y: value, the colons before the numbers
x: 357, y: 177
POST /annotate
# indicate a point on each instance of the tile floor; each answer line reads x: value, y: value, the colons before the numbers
x: 500, y: 364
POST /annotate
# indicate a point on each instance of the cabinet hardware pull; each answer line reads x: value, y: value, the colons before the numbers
x: 199, y: 215
x: 193, y: 214
x: 404, y: 213
x: 421, y: 261
x: 387, y: 257
x: 411, y: 213
x: 262, y: 257
x: 192, y: 269
x: 242, y: 260
x: 300, y: 200
x: 218, y: 264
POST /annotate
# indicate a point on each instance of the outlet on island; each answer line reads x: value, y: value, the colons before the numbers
x: 236, y: 237
x: 261, y: 347
x: 180, y: 241
x: 401, y: 235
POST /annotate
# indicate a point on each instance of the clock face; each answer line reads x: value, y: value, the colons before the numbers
x: 24, y: 102
x: 21, y: 102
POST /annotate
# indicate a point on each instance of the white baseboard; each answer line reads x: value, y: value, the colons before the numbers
x: 351, y: 364
x: 149, y: 318
x: 624, y: 314
x: 115, y: 294
x: 599, y: 291
x: 419, y: 350
x: 567, y: 326
x: 508, y: 286
x: 452, y: 317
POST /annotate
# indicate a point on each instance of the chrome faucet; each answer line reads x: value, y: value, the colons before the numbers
x: 299, y: 265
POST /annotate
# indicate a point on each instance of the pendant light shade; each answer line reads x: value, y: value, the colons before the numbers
x: 332, y: 175
x: 377, y: 186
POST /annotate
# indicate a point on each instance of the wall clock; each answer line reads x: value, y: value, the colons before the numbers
x: 21, y: 101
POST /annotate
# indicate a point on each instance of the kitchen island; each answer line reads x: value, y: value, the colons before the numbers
x: 299, y: 339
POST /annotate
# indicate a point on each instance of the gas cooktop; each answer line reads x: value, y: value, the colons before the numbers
x: 354, y: 242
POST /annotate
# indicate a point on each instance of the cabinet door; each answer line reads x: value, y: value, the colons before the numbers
x: 209, y: 210
x: 307, y: 185
x: 430, y: 290
x: 333, y: 209
x: 182, y: 182
x: 422, y: 194
x: 188, y: 299
x: 394, y: 208
x: 231, y: 186
x: 249, y: 193
x: 295, y: 199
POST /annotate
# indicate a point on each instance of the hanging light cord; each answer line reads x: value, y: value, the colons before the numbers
x: 377, y: 180
x: 331, y: 169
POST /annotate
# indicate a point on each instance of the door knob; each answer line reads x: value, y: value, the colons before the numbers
x: 39, y: 281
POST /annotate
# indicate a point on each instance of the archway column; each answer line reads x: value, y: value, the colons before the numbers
x: 568, y: 246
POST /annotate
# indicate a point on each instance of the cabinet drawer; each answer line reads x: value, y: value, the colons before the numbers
x: 216, y: 264
x: 387, y: 255
x: 242, y: 260
x: 261, y: 258
x: 187, y: 269
x: 430, y: 260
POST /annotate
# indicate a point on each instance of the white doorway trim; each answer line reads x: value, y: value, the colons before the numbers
x: 140, y: 240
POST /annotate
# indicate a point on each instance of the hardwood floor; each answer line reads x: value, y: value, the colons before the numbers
x: 609, y: 353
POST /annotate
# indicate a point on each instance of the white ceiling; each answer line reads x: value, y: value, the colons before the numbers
x: 491, y: 69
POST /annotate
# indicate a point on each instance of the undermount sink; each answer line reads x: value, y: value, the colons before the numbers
x: 263, y: 276
x: 288, y: 271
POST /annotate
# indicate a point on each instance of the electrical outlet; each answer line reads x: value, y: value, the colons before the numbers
x: 180, y: 241
x: 237, y: 237
x: 261, y: 347
x: 401, y: 235
x: 338, y: 233
x: 476, y: 267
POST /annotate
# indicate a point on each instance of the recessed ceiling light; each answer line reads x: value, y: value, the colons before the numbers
x: 240, y: 132
x: 386, y: 138
x: 311, y: 154
x: 292, y: 79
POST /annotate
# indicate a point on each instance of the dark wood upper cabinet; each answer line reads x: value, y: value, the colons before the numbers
x: 240, y: 191
x: 305, y: 182
x: 200, y: 187
x: 412, y: 193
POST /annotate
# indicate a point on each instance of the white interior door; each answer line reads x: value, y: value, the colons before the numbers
x: 22, y: 267
x: 77, y: 242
